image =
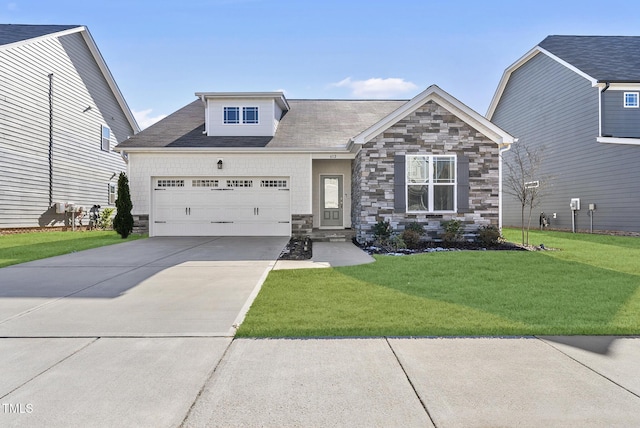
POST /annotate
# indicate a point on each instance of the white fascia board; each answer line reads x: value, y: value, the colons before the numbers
x: 43, y: 37
x: 277, y: 96
x: 513, y: 67
x: 110, y: 80
x: 436, y: 94
x: 280, y: 150
x: 505, y: 79
x: 576, y: 70
x: 620, y: 86
x: 618, y: 140
x: 93, y: 48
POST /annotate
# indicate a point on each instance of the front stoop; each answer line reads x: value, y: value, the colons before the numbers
x: 332, y: 235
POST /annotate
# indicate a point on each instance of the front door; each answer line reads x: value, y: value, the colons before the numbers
x: 331, y: 201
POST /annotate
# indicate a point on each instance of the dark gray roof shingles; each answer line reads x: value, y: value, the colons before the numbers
x: 605, y: 58
x: 309, y: 124
x: 12, y: 33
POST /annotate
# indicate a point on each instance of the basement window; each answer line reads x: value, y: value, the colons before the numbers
x: 631, y: 100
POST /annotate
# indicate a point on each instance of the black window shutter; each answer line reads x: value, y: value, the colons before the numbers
x: 463, y: 184
x: 399, y: 180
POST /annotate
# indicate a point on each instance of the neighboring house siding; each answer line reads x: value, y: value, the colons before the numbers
x: 144, y: 166
x: 81, y: 170
x: 547, y: 105
x: 618, y: 121
x: 430, y: 130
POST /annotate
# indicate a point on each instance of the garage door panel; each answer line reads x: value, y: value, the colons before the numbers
x: 201, y: 208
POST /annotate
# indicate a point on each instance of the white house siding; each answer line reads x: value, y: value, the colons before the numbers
x: 547, y: 105
x: 81, y: 170
x: 264, y: 127
x: 144, y: 166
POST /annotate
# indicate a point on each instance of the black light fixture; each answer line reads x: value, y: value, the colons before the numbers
x: 219, y: 163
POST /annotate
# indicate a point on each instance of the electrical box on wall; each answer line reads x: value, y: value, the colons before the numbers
x: 592, y: 207
x: 575, y: 204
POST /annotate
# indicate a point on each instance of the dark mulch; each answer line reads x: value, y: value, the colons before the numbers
x: 297, y: 249
x: 432, y: 247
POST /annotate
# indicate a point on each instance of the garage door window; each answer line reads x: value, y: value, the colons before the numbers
x: 273, y: 183
x: 239, y: 183
x: 204, y: 183
x: 170, y: 183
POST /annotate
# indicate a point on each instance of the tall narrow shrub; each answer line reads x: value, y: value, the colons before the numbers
x: 123, y: 221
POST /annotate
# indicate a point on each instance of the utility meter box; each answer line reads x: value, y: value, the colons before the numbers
x: 575, y: 204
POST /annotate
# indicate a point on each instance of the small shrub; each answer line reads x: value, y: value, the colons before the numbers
x: 105, y: 221
x: 411, y: 238
x: 396, y: 243
x: 452, y: 230
x: 382, y: 232
x: 415, y: 227
x: 488, y: 236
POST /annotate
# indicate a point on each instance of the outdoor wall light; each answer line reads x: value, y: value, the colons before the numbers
x: 219, y: 163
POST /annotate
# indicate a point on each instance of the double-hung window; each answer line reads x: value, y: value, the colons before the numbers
x: 431, y: 183
x: 105, y: 140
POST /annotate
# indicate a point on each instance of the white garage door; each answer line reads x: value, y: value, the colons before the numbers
x: 221, y: 206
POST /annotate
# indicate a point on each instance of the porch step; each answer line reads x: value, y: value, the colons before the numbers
x: 320, y: 235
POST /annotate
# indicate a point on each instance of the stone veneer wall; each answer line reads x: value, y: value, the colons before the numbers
x: 141, y: 224
x: 429, y: 130
x: 301, y: 224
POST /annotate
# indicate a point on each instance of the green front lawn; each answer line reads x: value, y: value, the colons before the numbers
x: 589, y: 285
x: 25, y: 247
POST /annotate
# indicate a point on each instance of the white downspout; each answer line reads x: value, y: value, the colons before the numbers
x: 501, y: 151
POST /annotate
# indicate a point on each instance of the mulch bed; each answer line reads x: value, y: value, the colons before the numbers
x: 433, y: 247
x: 297, y: 249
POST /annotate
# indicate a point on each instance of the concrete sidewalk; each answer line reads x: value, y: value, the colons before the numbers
x: 329, y: 254
x: 140, y: 334
x: 524, y: 382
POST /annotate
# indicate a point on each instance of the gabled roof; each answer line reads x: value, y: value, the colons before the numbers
x: 599, y: 59
x: 309, y: 125
x: 444, y: 99
x: 12, y: 35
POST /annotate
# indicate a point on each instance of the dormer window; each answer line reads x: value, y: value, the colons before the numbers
x: 231, y: 115
x: 250, y: 115
x: 631, y: 100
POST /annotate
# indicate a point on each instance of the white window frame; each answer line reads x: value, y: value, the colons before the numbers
x: 241, y: 114
x: 225, y: 117
x: 105, y: 138
x: 112, y: 192
x: 254, y: 109
x: 427, y: 179
x: 632, y: 95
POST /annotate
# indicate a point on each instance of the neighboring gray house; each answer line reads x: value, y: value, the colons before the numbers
x: 61, y: 114
x: 578, y: 97
x: 259, y: 164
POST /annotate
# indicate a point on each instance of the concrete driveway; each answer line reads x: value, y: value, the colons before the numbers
x: 134, y: 329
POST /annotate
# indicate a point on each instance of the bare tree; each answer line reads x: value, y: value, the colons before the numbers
x: 525, y: 181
